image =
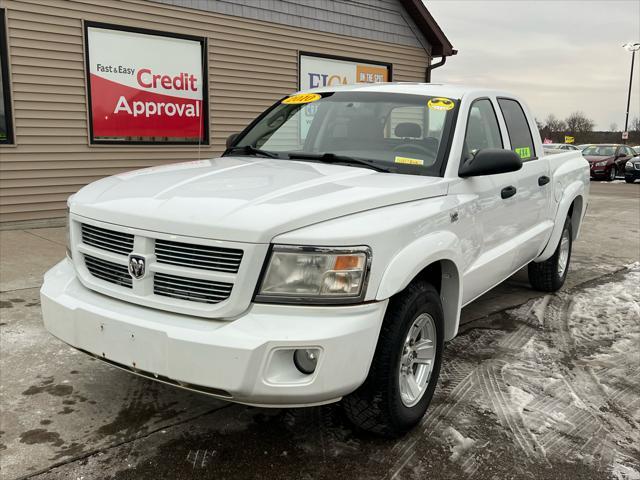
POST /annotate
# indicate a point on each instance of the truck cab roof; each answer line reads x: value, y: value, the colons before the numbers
x: 412, y: 88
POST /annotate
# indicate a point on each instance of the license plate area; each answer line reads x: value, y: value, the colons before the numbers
x: 130, y: 345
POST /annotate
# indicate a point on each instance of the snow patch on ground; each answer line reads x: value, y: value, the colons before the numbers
x: 458, y: 443
x: 563, y: 383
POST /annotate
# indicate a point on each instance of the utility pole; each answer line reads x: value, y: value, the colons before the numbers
x: 633, y: 48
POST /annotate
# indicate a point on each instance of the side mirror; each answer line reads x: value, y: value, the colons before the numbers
x: 231, y: 140
x: 490, y: 161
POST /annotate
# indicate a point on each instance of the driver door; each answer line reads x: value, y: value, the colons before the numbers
x: 493, y: 209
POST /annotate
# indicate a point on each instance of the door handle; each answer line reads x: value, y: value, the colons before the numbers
x: 543, y: 180
x: 507, y: 192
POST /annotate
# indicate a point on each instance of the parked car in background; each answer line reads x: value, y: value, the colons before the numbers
x: 632, y: 170
x: 560, y: 146
x: 582, y: 146
x: 606, y: 161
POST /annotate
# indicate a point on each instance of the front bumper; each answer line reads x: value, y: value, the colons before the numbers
x: 246, y: 360
x: 632, y: 174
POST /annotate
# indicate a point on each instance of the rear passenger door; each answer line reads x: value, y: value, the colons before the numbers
x: 533, y: 218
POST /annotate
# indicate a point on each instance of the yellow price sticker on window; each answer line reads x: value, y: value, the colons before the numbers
x: 302, y: 98
x: 409, y: 161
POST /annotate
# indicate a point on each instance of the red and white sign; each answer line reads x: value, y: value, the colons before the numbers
x: 145, y: 85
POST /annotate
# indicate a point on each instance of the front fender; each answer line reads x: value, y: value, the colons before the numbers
x: 442, y: 247
x: 573, y: 191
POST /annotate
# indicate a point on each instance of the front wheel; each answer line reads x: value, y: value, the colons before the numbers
x: 612, y: 174
x: 629, y: 180
x: 405, y: 367
x: 549, y: 276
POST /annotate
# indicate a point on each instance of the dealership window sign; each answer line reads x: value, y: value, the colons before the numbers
x: 146, y: 86
x: 317, y: 70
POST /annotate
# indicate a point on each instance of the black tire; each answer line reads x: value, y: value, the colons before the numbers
x: 376, y: 406
x: 612, y: 174
x: 629, y: 180
x: 544, y: 276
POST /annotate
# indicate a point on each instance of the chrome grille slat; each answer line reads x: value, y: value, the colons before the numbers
x: 165, y: 283
x: 183, y: 288
x: 105, y: 243
x: 203, y: 257
x: 162, y: 244
x: 108, y: 271
x: 190, y: 265
x: 104, y: 239
x: 189, y: 293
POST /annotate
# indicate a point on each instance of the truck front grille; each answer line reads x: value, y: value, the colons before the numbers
x: 116, y: 242
x: 108, y: 271
x: 198, y: 256
x: 192, y: 276
x: 195, y: 290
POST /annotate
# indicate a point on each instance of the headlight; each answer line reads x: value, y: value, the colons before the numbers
x: 315, y: 275
x: 628, y: 165
x: 601, y: 164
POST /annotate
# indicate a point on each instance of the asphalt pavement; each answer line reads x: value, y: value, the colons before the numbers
x: 495, y: 414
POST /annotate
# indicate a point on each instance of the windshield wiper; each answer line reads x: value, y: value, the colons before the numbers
x: 333, y: 158
x: 249, y: 150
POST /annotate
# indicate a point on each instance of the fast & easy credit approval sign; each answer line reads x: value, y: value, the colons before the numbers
x: 145, y: 86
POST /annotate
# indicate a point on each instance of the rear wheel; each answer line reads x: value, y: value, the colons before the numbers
x: 549, y: 276
x: 405, y: 367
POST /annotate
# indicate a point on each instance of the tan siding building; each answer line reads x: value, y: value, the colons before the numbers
x: 250, y: 62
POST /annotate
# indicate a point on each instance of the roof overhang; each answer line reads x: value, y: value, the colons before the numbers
x: 440, y: 44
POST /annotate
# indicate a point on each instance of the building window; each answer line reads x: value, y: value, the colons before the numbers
x: 6, y: 124
x: 146, y: 87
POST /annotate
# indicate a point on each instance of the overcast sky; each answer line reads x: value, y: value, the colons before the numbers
x: 560, y: 55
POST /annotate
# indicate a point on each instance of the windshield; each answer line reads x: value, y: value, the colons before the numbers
x: 390, y: 131
x: 600, y: 151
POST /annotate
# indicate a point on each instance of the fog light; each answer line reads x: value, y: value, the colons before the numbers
x: 306, y: 359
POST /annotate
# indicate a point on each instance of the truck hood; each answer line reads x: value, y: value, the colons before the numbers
x: 244, y: 199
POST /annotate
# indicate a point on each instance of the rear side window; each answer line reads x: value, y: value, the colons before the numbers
x: 482, y: 129
x: 518, y: 128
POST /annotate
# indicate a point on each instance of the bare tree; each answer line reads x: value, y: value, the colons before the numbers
x: 578, y: 122
x: 635, y: 124
x: 539, y: 124
x: 613, y: 127
x: 555, y: 124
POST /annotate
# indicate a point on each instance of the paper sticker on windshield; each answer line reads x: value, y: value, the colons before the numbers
x: 440, y: 103
x: 302, y: 98
x: 523, y: 152
x: 409, y: 161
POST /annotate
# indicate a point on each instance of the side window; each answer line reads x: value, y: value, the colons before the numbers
x: 518, y: 128
x: 628, y: 151
x: 482, y: 129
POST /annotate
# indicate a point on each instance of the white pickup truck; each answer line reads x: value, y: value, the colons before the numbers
x: 326, y: 255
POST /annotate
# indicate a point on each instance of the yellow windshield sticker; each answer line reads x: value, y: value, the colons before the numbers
x: 440, y: 103
x: 524, y: 152
x: 302, y: 98
x: 409, y: 161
